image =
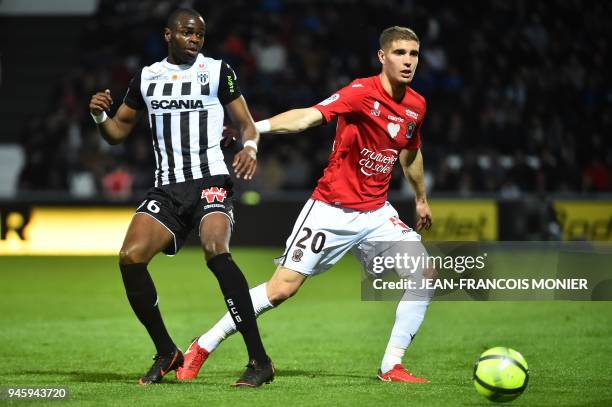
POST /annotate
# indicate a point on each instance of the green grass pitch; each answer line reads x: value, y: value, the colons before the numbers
x: 65, y: 321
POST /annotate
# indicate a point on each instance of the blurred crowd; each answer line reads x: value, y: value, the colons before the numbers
x: 519, y: 94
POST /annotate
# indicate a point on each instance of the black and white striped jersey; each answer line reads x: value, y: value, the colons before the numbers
x: 185, y: 109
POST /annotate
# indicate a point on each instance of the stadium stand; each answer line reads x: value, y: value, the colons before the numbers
x: 519, y: 99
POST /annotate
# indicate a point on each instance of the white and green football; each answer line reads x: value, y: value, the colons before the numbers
x: 501, y: 374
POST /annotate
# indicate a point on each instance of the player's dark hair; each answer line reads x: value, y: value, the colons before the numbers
x: 180, y: 12
x: 396, y: 33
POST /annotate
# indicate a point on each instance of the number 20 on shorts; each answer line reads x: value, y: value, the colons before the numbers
x: 316, y: 244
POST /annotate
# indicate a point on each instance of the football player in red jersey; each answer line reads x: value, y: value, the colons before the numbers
x: 379, y: 123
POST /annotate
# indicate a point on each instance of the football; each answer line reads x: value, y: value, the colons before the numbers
x: 501, y: 374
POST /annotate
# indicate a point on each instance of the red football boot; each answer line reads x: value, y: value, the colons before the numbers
x: 399, y: 374
x: 194, y: 359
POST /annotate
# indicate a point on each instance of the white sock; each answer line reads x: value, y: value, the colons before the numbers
x: 408, y: 318
x: 226, y: 326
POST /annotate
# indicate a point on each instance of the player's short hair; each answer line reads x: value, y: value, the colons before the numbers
x: 174, y: 17
x: 396, y: 33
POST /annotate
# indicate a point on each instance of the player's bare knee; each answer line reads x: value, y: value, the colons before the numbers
x: 132, y: 255
x: 214, y: 248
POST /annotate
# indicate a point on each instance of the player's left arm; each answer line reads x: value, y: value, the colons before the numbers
x: 245, y: 162
x: 412, y: 166
x: 230, y: 96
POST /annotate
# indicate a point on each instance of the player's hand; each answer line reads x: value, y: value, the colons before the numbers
x: 245, y: 163
x: 424, y: 218
x: 229, y: 136
x: 100, y: 102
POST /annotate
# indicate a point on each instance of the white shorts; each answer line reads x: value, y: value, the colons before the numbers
x: 323, y: 233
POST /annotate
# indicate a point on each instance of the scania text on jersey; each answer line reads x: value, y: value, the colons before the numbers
x: 177, y: 104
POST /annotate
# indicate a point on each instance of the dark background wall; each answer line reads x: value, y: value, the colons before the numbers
x: 519, y: 96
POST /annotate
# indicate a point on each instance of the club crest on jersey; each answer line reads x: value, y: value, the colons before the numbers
x: 410, y: 130
x: 213, y: 194
x: 297, y: 255
x: 203, y: 78
x: 376, y: 110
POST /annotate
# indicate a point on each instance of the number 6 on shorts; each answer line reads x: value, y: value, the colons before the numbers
x: 152, y: 206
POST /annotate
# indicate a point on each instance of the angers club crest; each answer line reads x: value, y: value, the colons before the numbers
x: 203, y: 78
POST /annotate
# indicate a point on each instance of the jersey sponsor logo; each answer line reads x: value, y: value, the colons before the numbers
x: 373, y: 162
x: 330, y: 99
x: 177, y: 104
x: 393, y: 129
x: 357, y: 85
x: 213, y: 194
x: 395, y: 119
x: 208, y: 207
x: 167, y: 77
x: 230, y: 84
x: 376, y: 110
x: 412, y: 114
x: 410, y: 130
x: 203, y: 78
x: 398, y: 222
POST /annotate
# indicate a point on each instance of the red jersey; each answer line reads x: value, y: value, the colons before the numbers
x: 372, y: 129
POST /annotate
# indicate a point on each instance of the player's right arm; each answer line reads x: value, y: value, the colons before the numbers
x: 291, y: 121
x: 114, y: 130
x: 345, y: 101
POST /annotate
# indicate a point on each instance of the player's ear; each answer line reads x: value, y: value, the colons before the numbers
x: 167, y: 34
x: 381, y: 56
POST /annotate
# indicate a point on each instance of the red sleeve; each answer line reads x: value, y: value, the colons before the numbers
x: 345, y: 101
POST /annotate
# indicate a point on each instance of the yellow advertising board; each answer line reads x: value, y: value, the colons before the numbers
x: 585, y: 220
x: 64, y: 231
x: 45, y: 230
x: 463, y: 220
